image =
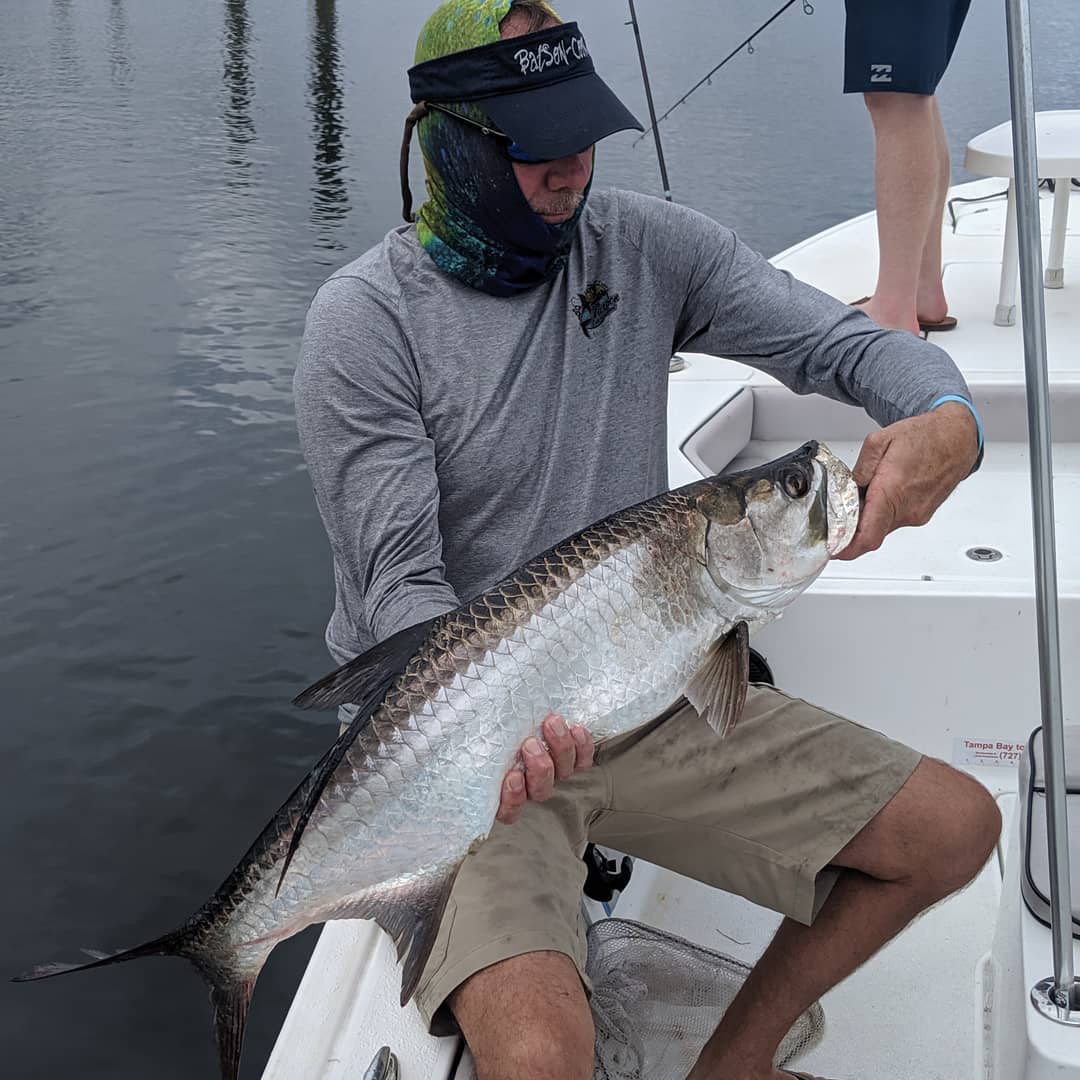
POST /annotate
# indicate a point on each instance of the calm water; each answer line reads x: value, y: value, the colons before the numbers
x: 175, y: 181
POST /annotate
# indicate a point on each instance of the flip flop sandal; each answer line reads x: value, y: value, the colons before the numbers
x: 941, y: 325
x: 925, y: 325
x: 803, y: 1076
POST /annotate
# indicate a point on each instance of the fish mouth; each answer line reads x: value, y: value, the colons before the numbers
x: 771, y: 597
x: 843, y: 501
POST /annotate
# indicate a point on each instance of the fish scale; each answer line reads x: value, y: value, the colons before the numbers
x: 608, y: 628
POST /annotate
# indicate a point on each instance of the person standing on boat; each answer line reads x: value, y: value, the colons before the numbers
x: 895, y: 56
x: 492, y: 378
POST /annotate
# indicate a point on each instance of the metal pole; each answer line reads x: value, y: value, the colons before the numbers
x: 1060, y: 990
x: 648, y: 98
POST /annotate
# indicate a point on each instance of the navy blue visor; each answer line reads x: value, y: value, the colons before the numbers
x: 540, y: 90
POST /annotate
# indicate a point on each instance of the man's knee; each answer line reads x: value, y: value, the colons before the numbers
x: 527, y: 1018
x: 967, y: 825
x: 936, y: 833
x: 884, y: 106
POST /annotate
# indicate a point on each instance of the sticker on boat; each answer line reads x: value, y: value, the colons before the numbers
x: 986, y: 752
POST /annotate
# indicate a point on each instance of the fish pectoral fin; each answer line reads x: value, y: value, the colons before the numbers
x: 369, y: 676
x: 718, y: 690
x: 410, y: 911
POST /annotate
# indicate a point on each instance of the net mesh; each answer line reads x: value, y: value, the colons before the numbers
x: 657, y: 998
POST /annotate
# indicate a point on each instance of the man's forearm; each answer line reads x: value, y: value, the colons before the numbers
x: 815, y: 344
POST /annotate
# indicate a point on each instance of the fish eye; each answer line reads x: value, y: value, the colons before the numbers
x: 795, y: 482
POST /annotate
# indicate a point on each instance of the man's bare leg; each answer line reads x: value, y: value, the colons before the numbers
x: 527, y: 1018
x: 930, y: 302
x: 930, y: 840
x: 908, y: 168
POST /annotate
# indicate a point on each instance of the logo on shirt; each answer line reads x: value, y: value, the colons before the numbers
x: 594, y: 305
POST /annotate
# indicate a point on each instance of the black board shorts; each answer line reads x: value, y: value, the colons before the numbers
x: 901, y: 46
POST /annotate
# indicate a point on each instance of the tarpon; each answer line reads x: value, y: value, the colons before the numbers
x: 608, y: 629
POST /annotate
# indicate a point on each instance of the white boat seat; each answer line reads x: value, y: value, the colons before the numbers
x: 1035, y: 858
x: 713, y: 446
x: 1057, y: 138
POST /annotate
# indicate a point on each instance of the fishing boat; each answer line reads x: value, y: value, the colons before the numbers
x: 947, y: 639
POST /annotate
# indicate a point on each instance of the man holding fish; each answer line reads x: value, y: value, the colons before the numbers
x: 492, y: 378
x: 488, y: 383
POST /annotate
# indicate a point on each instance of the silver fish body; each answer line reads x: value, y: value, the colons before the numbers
x: 608, y: 629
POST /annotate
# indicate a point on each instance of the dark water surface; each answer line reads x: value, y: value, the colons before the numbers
x: 175, y: 181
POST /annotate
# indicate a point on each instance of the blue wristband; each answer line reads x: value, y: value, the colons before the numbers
x: 963, y: 401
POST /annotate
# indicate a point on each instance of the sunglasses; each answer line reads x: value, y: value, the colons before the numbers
x: 512, y: 151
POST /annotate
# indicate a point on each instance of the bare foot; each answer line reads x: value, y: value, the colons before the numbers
x: 930, y: 302
x: 891, y: 318
x: 933, y: 313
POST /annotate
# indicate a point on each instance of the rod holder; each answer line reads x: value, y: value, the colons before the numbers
x: 1056, y: 1005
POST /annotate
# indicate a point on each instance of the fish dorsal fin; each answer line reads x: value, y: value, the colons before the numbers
x: 363, y: 682
x: 718, y: 690
x: 313, y: 787
x: 410, y: 911
x: 355, y: 683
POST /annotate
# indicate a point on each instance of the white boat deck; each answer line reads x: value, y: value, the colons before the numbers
x: 917, y: 640
x: 843, y: 262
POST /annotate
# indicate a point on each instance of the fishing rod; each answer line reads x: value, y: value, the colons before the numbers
x: 648, y: 97
x: 748, y: 44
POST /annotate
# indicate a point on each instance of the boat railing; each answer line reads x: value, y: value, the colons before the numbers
x: 1057, y: 996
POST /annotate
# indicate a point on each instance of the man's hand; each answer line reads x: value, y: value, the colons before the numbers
x: 569, y: 750
x: 908, y: 470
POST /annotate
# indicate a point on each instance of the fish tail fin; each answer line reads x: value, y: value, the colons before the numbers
x: 230, y: 996
x: 175, y: 944
x: 230, y: 988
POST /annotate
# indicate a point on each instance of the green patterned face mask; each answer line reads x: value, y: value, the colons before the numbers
x: 476, y: 225
x: 457, y: 25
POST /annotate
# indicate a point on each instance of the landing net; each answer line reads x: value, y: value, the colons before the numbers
x: 657, y: 998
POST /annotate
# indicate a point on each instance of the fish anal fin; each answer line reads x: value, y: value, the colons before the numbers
x: 410, y: 911
x: 718, y: 689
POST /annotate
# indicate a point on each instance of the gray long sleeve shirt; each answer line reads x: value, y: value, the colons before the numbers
x: 451, y: 435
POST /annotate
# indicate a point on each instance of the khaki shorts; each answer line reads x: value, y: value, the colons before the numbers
x: 761, y: 813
